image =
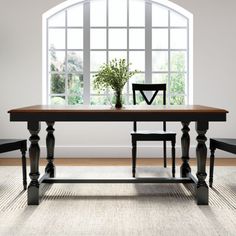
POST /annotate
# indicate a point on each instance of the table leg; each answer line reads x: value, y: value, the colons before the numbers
x: 34, y: 154
x: 201, y: 151
x: 50, y: 143
x: 23, y: 152
x: 185, y: 143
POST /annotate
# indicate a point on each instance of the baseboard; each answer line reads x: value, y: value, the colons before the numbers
x: 66, y: 161
x: 113, y: 152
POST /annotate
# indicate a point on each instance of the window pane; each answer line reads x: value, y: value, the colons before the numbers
x: 136, y: 39
x: 136, y: 78
x: 57, y: 84
x: 97, y: 59
x: 75, y: 62
x: 75, y: 100
x: 58, y: 100
x: 99, y: 100
x: 117, y: 13
x: 178, y: 61
x: 159, y: 15
x: 136, y: 13
x: 56, y: 38
x: 56, y: 61
x: 177, y: 100
x: 177, y: 83
x: 98, y: 13
x: 159, y: 61
x: 137, y: 60
x: 75, y: 84
x: 160, y: 38
x: 98, y: 38
x: 178, y: 38
x: 118, y: 55
x: 75, y: 38
x: 160, y: 78
x: 177, y: 20
x: 75, y: 15
x: 117, y: 38
x: 57, y: 20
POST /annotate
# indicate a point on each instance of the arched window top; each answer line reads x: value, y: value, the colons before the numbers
x: 80, y: 35
x: 165, y: 3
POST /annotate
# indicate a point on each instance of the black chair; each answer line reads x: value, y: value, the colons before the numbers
x: 151, y: 135
x: 225, y: 144
x: 8, y: 145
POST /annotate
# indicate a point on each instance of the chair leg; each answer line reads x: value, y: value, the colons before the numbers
x: 134, y: 154
x: 173, y: 157
x: 23, y: 151
x: 164, y: 154
x: 212, y: 160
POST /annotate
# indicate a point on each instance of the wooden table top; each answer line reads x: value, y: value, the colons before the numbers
x: 108, y: 113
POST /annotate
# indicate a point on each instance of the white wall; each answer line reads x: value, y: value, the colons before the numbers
x: 21, y: 78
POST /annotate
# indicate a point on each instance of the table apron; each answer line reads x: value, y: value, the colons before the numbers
x: 116, y: 117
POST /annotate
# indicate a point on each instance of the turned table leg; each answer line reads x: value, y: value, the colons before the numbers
x: 201, y: 151
x: 50, y: 143
x: 185, y: 143
x: 23, y: 152
x: 212, y: 160
x: 34, y: 154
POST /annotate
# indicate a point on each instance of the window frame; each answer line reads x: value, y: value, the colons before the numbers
x: 148, y: 45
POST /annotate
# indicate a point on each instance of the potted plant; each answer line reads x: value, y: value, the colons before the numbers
x: 115, y: 74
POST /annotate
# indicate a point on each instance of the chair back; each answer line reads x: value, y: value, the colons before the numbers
x: 155, y: 88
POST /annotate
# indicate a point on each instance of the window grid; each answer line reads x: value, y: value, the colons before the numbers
x: 169, y: 59
x: 128, y: 29
x: 188, y: 74
x: 117, y: 27
x: 48, y: 87
x: 86, y: 59
x: 107, y: 37
x: 128, y: 50
x: 66, y: 58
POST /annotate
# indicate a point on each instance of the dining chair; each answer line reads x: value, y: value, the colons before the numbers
x: 8, y: 145
x: 225, y: 144
x: 151, y: 135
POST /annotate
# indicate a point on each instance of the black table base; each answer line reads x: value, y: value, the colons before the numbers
x: 185, y: 114
x: 186, y: 176
x: 117, y: 180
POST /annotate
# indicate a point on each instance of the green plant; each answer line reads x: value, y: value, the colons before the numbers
x: 113, y: 75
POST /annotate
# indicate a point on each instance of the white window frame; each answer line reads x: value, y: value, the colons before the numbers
x: 148, y: 45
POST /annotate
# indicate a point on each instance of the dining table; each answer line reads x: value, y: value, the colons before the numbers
x: 185, y: 114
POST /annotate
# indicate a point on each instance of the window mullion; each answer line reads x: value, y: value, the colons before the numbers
x: 169, y: 59
x: 66, y: 60
x: 108, y: 95
x: 127, y: 89
x: 148, y: 42
x: 48, y: 81
x: 86, y: 53
x: 187, y: 82
x: 107, y: 30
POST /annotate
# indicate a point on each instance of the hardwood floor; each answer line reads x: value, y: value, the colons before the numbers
x: 112, y: 161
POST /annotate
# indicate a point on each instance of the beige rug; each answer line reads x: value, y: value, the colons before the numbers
x: 117, y: 209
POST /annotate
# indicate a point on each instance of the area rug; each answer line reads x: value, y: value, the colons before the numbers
x: 117, y: 209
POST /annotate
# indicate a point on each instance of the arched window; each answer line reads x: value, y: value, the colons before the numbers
x: 79, y: 36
